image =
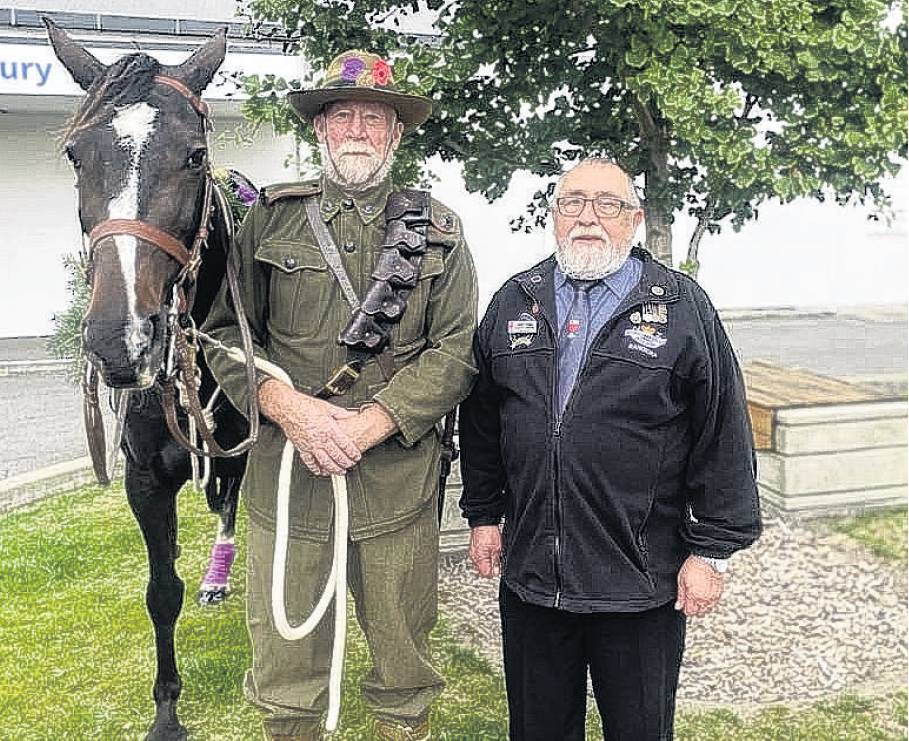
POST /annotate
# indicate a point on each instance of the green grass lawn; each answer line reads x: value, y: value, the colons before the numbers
x: 77, y: 656
x: 885, y: 533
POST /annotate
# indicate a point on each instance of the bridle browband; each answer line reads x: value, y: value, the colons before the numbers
x: 187, y: 258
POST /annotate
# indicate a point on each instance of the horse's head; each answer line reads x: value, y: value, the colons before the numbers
x: 139, y: 150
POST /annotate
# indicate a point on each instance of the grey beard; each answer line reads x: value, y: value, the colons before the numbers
x: 590, y: 264
x: 331, y: 171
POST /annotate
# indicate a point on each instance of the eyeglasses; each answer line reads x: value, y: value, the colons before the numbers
x: 606, y: 208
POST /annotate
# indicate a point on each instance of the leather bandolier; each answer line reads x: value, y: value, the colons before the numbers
x: 368, y: 333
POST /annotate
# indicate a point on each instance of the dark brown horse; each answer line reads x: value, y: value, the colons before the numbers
x: 138, y: 145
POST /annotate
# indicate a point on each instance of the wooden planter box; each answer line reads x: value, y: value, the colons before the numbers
x: 825, y: 446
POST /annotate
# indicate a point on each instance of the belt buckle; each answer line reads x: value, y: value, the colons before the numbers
x: 342, y: 379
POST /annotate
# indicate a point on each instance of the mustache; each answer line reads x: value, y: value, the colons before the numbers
x: 354, y: 148
x: 597, y: 232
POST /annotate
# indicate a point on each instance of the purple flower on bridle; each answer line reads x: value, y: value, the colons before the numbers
x: 247, y: 195
x: 352, y: 69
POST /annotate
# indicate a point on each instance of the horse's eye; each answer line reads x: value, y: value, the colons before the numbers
x: 197, y: 158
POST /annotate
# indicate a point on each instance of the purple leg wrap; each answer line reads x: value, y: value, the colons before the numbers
x: 218, y: 575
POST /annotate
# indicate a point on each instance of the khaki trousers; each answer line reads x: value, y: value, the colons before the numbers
x: 393, y: 578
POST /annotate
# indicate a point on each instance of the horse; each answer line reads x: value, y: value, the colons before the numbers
x: 138, y: 146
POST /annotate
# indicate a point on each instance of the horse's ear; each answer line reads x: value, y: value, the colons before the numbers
x: 197, y: 71
x: 82, y: 65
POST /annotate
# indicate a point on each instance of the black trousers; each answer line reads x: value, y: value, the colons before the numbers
x: 633, y: 657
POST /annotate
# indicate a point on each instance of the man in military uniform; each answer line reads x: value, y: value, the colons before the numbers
x: 382, y: 432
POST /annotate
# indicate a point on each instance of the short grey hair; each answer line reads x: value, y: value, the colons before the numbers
x: 630, y: 192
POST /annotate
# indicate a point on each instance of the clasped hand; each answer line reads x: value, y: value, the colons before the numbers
x: 328, y: 438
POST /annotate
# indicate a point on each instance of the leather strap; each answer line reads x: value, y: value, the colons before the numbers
x: 94, y: 424
x: 132, y: 227
x: 450, y: 454
x: 185, y: 359
x: 194, y: 100
x: 330, y: 252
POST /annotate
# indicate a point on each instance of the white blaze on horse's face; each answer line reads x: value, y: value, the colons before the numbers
x: 134, y: 125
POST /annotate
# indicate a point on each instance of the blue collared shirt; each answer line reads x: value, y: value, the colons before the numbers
x: 605, y: 297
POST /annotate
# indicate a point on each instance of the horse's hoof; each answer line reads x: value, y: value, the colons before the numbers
x: 167, y: 726
x: 213, y: 596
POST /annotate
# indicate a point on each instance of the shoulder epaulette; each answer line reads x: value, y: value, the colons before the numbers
x: 443, y: 218
x: 271, y: 193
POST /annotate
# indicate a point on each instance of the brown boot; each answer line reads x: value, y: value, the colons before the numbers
x: 387, y: 730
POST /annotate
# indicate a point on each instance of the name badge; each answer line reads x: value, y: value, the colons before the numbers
x: 522, y: 326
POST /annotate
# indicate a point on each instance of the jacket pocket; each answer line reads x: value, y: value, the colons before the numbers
x: 300, y: 287
x: 412, y: 326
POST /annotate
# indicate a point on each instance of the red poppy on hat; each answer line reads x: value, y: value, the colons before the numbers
x: 381, y: 72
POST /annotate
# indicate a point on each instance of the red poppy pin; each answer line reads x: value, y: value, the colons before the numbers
x: 381, y: 72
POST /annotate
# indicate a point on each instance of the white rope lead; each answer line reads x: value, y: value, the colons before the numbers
x: 336, y: 585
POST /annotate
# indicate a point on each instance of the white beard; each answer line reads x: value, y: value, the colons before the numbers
x: 354, y: 174
x: 590, y: 263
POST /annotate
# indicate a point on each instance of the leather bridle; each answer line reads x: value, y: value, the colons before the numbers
x: 182, y: 371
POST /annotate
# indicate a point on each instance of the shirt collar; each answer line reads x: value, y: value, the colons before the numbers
x: 370, y: 204
x: 614, y: 281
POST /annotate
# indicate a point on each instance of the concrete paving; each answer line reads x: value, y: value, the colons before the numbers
x: 40, y: 423
x: 14, y: 349
x: 41, y: 414
x: 835, y: 345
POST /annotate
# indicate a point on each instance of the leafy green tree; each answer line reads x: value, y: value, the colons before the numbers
x: 717, y: 105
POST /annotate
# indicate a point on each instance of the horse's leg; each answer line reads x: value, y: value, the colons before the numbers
x: 154, y: 505
x: 216, y: 583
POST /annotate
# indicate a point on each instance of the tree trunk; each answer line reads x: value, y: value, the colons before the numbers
x: 692, y: 264
x: 656, y: 186
x: 659, y: 230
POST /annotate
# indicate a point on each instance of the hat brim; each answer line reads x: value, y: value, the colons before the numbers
x: 413, y: 110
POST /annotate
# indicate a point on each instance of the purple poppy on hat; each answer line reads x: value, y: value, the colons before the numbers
x: 352, y: 69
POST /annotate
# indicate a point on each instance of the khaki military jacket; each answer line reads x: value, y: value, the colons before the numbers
x: 296, y: 311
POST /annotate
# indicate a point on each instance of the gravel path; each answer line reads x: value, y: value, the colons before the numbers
x: 807, y: 614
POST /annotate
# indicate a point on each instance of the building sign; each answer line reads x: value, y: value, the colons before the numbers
x: 29, y: 69
x: 31, y: 74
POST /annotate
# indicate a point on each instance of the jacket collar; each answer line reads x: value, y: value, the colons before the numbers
x: 658, y: 284
x: 369, y: 204
x: 538, y: 284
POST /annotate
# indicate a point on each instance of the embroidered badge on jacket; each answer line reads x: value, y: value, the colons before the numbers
x: 521, y: 331
x: 645, y: 338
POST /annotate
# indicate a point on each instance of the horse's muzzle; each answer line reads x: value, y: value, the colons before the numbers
x: 128, y: 354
